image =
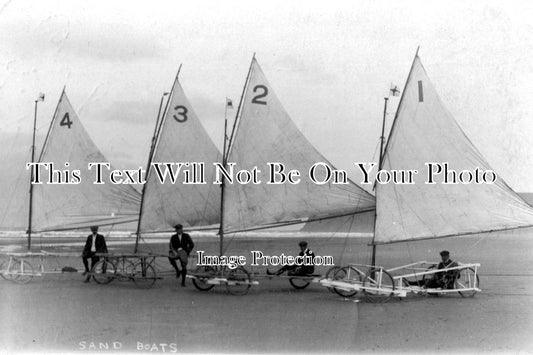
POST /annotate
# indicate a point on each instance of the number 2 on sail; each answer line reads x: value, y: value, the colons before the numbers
x: 256, y: 100
x: 182, y: 113
x: 65, y: 121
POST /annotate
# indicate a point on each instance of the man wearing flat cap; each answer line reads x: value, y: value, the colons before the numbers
x: 298, y: 270
x: 444, y: 279
x: 180, y: 246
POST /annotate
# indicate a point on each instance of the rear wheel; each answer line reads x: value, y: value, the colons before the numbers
x: 466, y: 279
x: 21, y: 271
x: 349, y: 275
x: 299, y: 283
x: 143, y: 275
x: 103, y: 271
x: 125, y: 270
x: 202, y: 275
x: 329, y: 276
x: 238, y: 281
x: 378, y: 286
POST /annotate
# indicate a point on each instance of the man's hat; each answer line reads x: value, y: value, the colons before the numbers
x: 303, y: 243
x: 94, y: 229
x: 444, y: 253
x: 178, y: 226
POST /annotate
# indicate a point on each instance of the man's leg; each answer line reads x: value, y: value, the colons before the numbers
x: 432, y: 283
x: 298, y: 271
x: 175, y: 266
x: 286, y: 268
x: 420, y: 283
x: 183, y: 272
x: 86, y: 263
x: 94, y: 260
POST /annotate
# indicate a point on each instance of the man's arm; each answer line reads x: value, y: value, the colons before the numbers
x: 105, y: 244
x: 101, y: 246
x: 87, y: 247
x: 190, y: 244
x: 171, y: 243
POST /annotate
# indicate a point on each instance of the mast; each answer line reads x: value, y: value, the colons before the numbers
x: 157, y: 128
x: 382, y: 150
x: 40, y: 98
x: 382, y: 138
x: 380, y: 162
x: 225, y: 153
x: 224, y: 161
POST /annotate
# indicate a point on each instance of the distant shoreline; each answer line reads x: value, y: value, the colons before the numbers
x: 210, y: 235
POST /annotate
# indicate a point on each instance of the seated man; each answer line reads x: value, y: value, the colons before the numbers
x: 95, y: 244
x: 180, y: 246
x: 444, y: 279
x: 298, y: 270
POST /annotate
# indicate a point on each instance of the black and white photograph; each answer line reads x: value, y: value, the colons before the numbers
x: 276, y: 177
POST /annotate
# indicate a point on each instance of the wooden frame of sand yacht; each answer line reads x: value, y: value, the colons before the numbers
x: 421, y: 212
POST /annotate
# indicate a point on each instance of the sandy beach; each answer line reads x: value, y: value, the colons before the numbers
x: 60, y: 313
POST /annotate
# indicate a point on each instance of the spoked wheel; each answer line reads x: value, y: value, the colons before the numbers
x: 4, y: 271
x: 143, y: 275
x: 466, y: 279
x: 103, y: 271
x: 125, y: 270
x: 378, y: 286
x: 350, y: 275
x: 329, y: 276
x: 203, y: 273
x: 21, y: 271
x: 239, y: 281
x: 299, y: 283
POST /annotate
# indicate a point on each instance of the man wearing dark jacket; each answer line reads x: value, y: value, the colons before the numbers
x: 95, y: 244
x: 180, y: 246
x: 443, y: 279
x: 298, y: 270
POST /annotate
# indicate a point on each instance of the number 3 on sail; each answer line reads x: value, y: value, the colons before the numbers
x: 180, y: 111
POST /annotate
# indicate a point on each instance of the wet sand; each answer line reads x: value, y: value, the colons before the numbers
x: 60, y: 313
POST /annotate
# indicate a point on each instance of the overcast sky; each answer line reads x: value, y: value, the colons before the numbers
x: 330, y: 63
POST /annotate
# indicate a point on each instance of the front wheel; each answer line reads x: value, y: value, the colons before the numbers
x: 467, y: 279
x: 103, y: 271
x: 21, y: 271
x: 349, y: 275
x: 202, y: 275
x: 299, y: 283
x: 238, y: 281
x: 378, y: 286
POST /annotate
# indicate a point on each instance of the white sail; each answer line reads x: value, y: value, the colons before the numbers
x: 76, y: 205
x: 265, y: 133
x: 424, y: 131
x: 182, y: 138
